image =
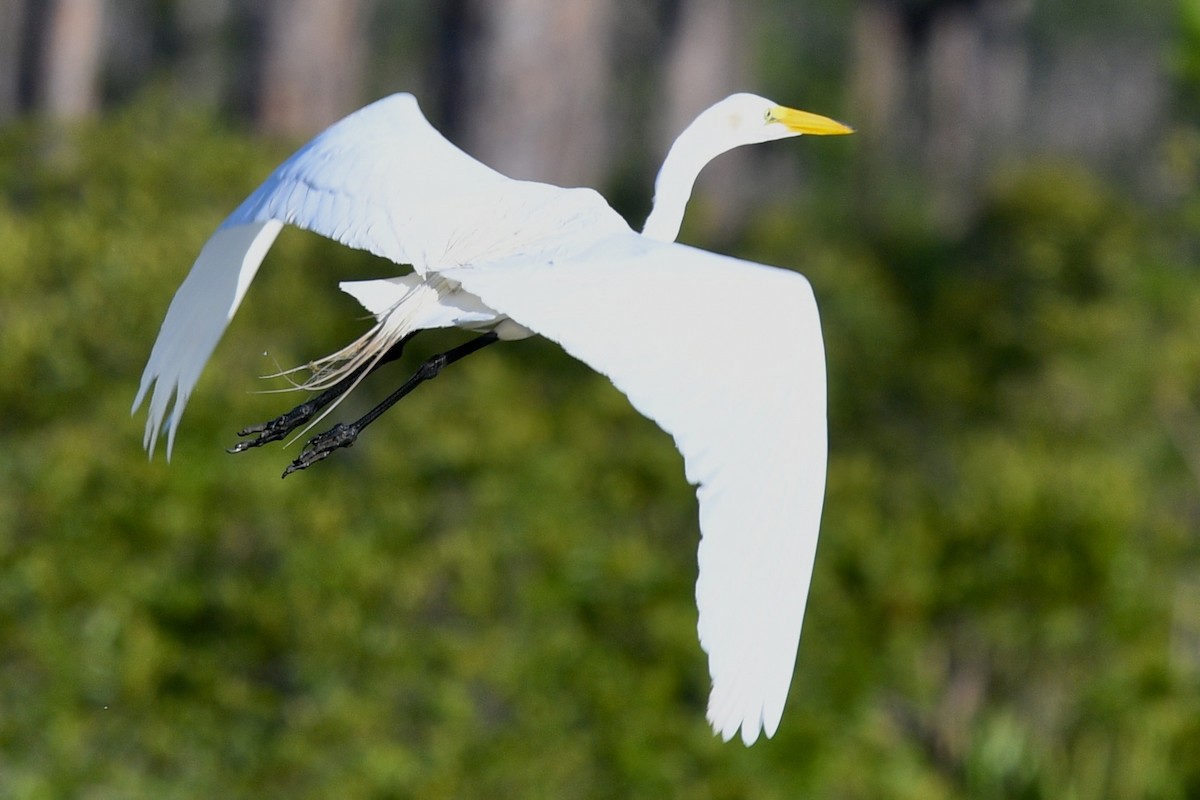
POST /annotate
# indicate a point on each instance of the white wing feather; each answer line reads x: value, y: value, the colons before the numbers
x: 727, y: 357
x: 203, y: 305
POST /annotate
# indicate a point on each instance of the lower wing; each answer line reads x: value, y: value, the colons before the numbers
x: 727, y: 357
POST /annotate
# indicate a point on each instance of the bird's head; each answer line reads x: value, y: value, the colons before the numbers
x: 745, y: 118
x: 739, y: 119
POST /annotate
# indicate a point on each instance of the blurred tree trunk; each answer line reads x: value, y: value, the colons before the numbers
x: 71, y: 58
x: 313, y: 61
x: 941, y: 83
x: 706, y: 61
x: 12, y: 29
x: 878, y: 83
x: 954, y: 65
x: 203, y: 63
x: 535, y: 75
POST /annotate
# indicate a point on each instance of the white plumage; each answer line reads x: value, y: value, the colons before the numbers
x: 723, y: 354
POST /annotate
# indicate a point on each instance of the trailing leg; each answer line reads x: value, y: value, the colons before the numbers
x: 344, y: 435
x: 276, y: 429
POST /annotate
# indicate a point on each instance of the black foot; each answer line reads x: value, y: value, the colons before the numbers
x: 275, y: 429
x: 319, y: 447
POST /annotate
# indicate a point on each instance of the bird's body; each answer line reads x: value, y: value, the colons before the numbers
x: 723, y: 354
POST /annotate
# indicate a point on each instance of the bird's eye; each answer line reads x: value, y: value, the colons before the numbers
x: 767, y: 116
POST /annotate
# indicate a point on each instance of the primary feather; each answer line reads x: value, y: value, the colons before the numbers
x: 723, y: 354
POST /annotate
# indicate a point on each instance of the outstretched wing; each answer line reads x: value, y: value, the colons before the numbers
x: 727, y: 357
x: 382, y: 180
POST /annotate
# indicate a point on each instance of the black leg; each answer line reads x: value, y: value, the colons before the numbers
x: 342, y: 435
x: 275, y: 429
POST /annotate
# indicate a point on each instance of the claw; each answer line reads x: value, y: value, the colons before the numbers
x: 275, y: 429
x: 319, y: 447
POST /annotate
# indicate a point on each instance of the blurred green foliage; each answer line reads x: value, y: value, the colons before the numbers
x: 491, y: 594
x: 1185, y: 57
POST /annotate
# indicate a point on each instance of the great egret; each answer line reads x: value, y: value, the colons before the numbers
x: 725, y: 355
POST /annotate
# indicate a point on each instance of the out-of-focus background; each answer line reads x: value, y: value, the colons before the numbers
x: 490, y: 595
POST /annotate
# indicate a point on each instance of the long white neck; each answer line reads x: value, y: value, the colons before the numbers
x: 673, y: 187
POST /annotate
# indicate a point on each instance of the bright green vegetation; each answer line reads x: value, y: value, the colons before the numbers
x: 491, y: 594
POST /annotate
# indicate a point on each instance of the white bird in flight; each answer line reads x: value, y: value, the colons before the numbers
x: 723, y: 354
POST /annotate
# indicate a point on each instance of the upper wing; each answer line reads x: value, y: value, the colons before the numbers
x: 727, y: 357
x: 382, y: 180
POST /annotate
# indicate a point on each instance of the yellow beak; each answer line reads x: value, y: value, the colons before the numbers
x: 806, y: 122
